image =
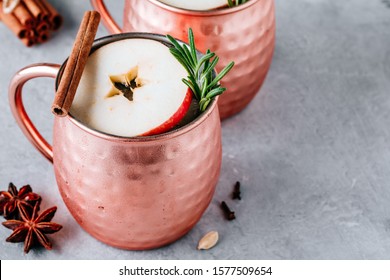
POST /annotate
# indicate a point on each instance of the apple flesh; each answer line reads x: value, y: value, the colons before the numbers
x: 175, y: 119
x: 196, y: 5
x: 159, y: 99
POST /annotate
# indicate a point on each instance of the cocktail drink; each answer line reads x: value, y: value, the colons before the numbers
x: 244, y: 33
x: 131, y: 88
x: 136, y: 161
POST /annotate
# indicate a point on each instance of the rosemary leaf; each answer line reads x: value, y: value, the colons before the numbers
x: 198, y: 92
x: 221, y: 75
x: 203, y: 60
x: 179, y: 58
x: 207, y: 62
x: 213, y: 93
x: 209, y: 69
x: 203, y: 103
x: 204, y: 88
x: 189, y: 56
x: 179, y: 49
x: 191, y: 86
x: 192, y: 44
x: 200, y: 70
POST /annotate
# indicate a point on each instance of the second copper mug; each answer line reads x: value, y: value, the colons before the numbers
x: 244, y: 34
x: 133, y: 193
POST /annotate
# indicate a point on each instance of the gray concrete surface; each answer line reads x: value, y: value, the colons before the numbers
x: 312, y: 150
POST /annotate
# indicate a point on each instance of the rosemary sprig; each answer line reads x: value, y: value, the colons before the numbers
x: 233, y: 3
x: 200, y: 78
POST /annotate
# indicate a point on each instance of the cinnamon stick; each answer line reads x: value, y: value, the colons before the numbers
x: 76, y: 63
x: 45, y: 14
x: 28, y: 41
x: 13, y: 23
x: 42, y: 26
x: 34, y: 8
x: 31, y: 38
x: 24, y: 16
x: 43, y: 36
x: 55, y: 19
x: 9, y: 5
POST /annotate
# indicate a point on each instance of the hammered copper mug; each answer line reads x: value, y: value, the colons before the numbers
x: 132, y: 193
x: 244, y: 34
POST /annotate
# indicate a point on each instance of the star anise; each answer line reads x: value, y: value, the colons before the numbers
x: 33, y: 227
x: 125, y: 84
x: 10, y: 200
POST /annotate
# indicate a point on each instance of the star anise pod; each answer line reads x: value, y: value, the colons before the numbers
x: 33, y: 227
x: 9, y: 200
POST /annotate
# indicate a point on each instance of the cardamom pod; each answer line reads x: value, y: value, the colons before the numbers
x: 208, y: 241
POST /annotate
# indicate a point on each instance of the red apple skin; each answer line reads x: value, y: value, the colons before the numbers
x: 175, y: 119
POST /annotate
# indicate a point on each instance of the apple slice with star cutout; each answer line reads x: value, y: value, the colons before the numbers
x: 197, y: 5
x: 132, y: 87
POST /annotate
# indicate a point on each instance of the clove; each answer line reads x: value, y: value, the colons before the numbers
x: 237, y: 192
x: 226, y: 210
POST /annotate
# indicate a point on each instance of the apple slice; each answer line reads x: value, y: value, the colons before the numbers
x: 196, y: 5
x: 132, y: 87
x: 175, y: 119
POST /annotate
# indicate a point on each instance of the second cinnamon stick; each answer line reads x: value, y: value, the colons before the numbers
x: 24, y: 16
x: 34, y: 8
x: 55, y: 18
x: 13, y: 23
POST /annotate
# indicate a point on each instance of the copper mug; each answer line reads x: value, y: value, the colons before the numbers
x: 244, y: 34
x: 132, y: 193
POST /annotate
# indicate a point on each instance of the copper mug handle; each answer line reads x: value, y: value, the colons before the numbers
x: 107, y: 19
x: 17, y: 107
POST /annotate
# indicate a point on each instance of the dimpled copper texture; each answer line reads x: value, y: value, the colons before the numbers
x: 137, y: 194
x: 244, y: 34
x: 142, y: 192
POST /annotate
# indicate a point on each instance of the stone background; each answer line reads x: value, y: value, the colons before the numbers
x: 312, y: 151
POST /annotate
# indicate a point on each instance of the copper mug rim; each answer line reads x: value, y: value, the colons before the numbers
x: 111, y: 137
x: 204, y: 13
